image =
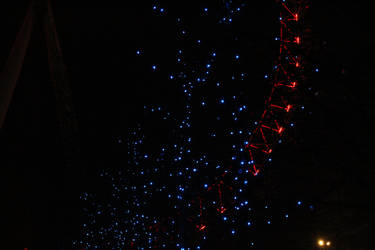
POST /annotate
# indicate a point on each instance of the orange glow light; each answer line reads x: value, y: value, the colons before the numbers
x: 288, y: 108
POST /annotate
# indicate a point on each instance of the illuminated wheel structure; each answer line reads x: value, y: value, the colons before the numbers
x: 225, y: 197
x: 210, y: 208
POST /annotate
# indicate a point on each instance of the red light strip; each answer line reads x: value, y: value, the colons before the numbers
x: 272, y: 123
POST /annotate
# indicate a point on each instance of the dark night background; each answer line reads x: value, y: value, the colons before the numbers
x: 328, y: 162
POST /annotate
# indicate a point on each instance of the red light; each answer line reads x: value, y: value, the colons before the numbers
x: 222, y: 210
x: 296, y: 16
x: 288, y: 108
x: 293, y: 84
x: 281, y: 129
x: 256, y: 172
x: 201, y: 227
x: 297, y: 64
x: 298, y: 40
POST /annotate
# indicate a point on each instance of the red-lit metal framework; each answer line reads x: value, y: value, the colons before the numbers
x: 286, y: 78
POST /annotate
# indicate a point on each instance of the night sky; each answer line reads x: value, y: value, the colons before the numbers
x: 127, y: 68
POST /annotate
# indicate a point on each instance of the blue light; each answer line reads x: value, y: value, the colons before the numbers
x: 205, y: 9
x: 237, y: 57
x: 154, y: 67
x: 208, y: 66
x: 233, y: 232
x: 161, y: 10
x: 316, y: 70
x: 205, y: 185
x: 249, y: 223
x: 222, y: 100
x: 299, y: 203
x: 138, y: 52
x: 225, y: 218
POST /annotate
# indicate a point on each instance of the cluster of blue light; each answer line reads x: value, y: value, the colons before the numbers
x: 175, y: 171
x: 231, y: 10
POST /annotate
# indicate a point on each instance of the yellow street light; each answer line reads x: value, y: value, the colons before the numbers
x: 321, y: 243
